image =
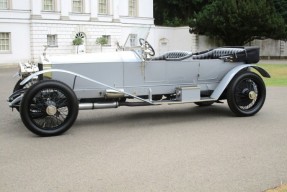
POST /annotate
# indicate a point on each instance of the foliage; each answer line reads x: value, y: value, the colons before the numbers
x: 101, y: 41
x: 237, y: 22
x: 176, y: 12
x: 281, y: 8
x: 78, y: 41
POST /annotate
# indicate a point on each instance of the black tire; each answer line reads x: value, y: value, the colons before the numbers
x: 49, y: 108
x: 204, y: 103
x: 246, y: 94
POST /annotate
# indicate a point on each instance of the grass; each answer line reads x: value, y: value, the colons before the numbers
x: 282, y: 188
x: 278, y: 74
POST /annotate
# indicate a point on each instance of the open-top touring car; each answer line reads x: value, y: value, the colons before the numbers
x: 49, y: 94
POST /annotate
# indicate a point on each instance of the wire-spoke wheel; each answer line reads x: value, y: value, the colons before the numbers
x: 49, y: 108
x: 246, y: 94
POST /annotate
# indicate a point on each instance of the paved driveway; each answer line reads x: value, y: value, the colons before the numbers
x: 165, y: 148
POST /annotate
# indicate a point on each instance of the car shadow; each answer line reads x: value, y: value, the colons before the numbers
x: 153, y: 116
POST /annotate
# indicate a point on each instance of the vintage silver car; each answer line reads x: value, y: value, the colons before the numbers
x: 49, y: 94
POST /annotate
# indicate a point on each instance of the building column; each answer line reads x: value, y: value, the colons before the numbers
x: 36, y: 7
x: 65, y: 7
x: 94, y: 10
x: 116, y: 8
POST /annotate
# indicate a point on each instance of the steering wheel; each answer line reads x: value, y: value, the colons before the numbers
x: 147, y: 46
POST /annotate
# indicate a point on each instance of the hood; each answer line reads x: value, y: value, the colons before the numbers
x: 107, y: 57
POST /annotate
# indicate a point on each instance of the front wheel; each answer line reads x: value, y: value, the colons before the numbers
x: 246, y: 94
x: 49, y: 108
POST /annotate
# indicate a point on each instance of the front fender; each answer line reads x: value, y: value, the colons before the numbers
x: 83, y: 77
x: 229, y: 76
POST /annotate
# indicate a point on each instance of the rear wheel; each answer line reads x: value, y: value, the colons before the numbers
x: 246, y: 94
x: 49, y: 108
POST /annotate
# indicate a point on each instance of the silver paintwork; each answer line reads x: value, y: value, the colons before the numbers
x: 130, y: 74
x: 83, y: 77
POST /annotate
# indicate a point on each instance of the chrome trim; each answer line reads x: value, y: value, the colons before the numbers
x: 88, y: 106
x: 18, y: 99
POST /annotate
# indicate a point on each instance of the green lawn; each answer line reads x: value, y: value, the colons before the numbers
x: 282, y: 188
x: 278, y: 74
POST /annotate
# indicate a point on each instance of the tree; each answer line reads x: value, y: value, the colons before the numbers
x: 176, y: 12
x: 77, y: 42
x: 281, y: 8
x: 237, y: 22
x: 101, y: 41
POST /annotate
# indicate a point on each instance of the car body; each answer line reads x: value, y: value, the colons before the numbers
x: 49, y: 94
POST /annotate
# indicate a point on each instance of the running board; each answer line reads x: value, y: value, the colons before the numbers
x: 202, y: 99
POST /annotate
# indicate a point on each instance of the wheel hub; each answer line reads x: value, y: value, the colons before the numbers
x: 51, y: 110
x: 252, y: 95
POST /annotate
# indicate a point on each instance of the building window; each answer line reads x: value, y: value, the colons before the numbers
x: 78, y: 6
x: 133, y: 8
x: 133, y: 40
x: 4, y: 4
x: 80, y: 35
x: 52, y: 40
x: 103, y: 7
x: 49, y: 5
x: 5, y: 42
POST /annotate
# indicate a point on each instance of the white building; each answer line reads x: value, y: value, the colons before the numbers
x: 26, y: 26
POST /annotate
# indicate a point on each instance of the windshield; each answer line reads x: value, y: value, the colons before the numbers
x: 132, y: 36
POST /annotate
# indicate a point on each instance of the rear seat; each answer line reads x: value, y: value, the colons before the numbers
x: 217, y: 53
x: 230, y: 54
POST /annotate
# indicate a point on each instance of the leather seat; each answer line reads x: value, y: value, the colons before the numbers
x: 217, y: 53
x: 174, y: 56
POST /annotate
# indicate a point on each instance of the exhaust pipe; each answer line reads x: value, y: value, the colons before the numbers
x: 89, y: 106
x: 114, y: 94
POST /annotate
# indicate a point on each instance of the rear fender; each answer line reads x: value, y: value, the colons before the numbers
x: 229, y: 76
